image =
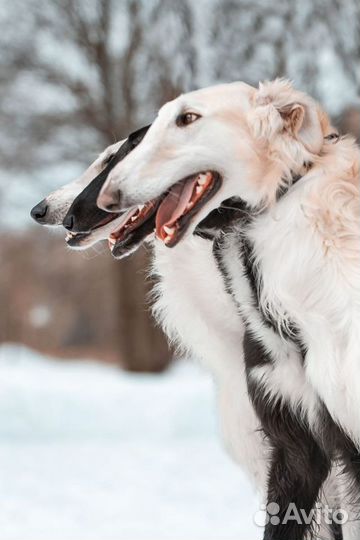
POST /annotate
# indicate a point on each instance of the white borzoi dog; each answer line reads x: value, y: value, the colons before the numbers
x: 291, y: 264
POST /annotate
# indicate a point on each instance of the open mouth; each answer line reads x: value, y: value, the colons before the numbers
x: 75, y: 239
x: 170, y: 214
x: 138, y: 223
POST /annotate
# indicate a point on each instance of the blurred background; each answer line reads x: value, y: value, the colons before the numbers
x: 75, y: 76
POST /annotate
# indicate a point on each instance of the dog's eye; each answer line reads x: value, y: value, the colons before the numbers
x: 107, y: 160
x: 185, y: 119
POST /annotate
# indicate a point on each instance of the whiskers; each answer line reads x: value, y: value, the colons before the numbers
x: 100, y: 248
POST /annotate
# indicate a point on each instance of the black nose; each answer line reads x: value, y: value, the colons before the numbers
x: 68, y: 222
x: 39, y: 211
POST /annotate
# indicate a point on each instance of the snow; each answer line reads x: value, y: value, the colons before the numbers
x: 89, y: 452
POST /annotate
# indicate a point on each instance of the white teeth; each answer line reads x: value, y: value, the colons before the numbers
x: 140, y: 207
x: 111, y: 242
x: 199, y: 190
x: 167, y: 239
x: 202, y: 179
x: 169, y: 230
x: 134, y: 218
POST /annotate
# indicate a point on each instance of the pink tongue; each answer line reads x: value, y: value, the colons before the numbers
x: 174, y: 205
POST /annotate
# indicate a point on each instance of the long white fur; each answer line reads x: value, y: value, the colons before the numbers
x: 319, y: 288
x: 199, y: 316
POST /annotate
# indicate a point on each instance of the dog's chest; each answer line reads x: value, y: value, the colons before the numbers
x: 274, y: 364
x: 193, y: 306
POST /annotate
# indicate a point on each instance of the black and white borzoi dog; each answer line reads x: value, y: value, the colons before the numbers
x: 293, y: 269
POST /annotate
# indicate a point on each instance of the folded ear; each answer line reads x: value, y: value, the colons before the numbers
x: 278, y: 109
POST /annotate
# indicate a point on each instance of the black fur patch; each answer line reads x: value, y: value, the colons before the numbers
x: 336, y: 531
x: 254, y: 352
x: 84, y: 211
x: 229, y: 212
x: 300, y: 459
x: 298, y: 464
x: 217, y: 252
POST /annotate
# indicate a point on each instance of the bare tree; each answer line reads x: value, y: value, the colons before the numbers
x: 349, y: 121
x: 314, y: 42
x: 81, y: 71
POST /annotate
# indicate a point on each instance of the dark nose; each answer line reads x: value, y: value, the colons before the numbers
x: 110, y: 200
x: 39, y: 211
x: 68, y: 222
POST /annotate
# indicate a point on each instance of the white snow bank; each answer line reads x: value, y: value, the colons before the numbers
x: 90, y: 453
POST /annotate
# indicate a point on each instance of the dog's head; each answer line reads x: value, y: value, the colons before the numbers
x: 74, y: 205
x: 52, y: 210
x: 86, y: 223
x: 209, y: 145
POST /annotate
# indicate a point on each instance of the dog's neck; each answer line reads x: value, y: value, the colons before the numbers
x: 241, y: 216
x: 235, y: 210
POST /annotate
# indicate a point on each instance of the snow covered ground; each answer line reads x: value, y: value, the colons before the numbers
x: 90, y: 453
